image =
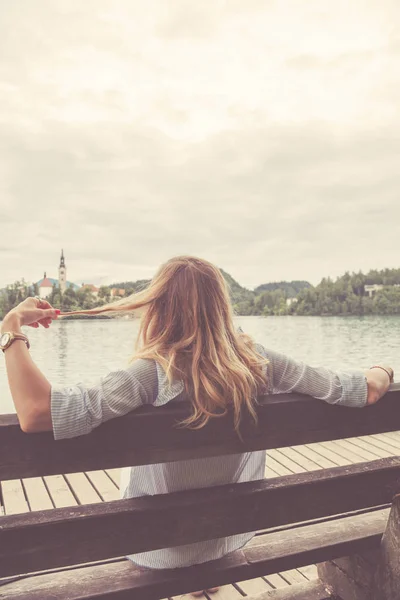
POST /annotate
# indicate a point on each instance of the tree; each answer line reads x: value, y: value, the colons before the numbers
x: 69, y: 300
x: 13, y: 294
x: 85, y: 298
x: 104, y: 293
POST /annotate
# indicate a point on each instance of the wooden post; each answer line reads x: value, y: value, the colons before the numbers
x: 373, y: 575
x: 351, y: 578
x: 387, y: 577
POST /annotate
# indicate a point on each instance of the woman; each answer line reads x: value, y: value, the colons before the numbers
x: 187, y: 348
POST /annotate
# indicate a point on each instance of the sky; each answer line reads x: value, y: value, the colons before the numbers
x: 261, y: 135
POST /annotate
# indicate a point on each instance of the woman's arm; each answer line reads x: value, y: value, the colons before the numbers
x: 69, y: 411
x: 349, y: 389
x: 30, y: 390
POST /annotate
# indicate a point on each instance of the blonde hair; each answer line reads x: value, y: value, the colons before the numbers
x: 187, y: 327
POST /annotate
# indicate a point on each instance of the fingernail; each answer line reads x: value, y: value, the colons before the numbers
x: 58, y: 312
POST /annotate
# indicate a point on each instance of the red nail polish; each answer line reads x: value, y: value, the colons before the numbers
x: 58, y: 311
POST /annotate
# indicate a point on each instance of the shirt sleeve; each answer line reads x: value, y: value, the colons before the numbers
x: 76, y: 410
x: 287, y: 375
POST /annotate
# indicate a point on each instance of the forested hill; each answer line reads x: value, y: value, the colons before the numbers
x: 347, y: 295
x: 269, y: 298
x: 131, y: 287
x: 374, y: 293
x: 290, y: 288
x: 237, y: 292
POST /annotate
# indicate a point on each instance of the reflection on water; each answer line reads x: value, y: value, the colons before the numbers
x: 82, y: 351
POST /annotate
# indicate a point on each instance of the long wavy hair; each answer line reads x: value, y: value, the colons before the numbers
x: 187, y: 327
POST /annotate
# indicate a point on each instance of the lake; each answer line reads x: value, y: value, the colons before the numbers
x: 83, y: 351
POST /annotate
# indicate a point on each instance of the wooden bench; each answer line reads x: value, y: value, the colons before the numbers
x: 325, y: 517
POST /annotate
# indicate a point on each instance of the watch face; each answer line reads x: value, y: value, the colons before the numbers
x: 4, y: 339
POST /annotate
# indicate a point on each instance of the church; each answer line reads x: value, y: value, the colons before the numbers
x: 46, y: 285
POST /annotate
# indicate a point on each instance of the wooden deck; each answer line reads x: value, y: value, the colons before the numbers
x: 23, y: 495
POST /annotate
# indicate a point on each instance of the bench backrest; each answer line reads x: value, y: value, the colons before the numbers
x: 61, y: 537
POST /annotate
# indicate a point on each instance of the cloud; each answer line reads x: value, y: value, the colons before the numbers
x: 254, y: 137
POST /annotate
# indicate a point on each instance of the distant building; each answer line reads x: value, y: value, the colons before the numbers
x: 92, y: 288
x: 115, y: 292
x: 47, y: 284
x: 371, y: 289
x: 62, y: 274
x: 290, y: 301
x: 45, y: 287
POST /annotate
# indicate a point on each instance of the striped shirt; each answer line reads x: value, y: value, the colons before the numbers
x: 77, y: 410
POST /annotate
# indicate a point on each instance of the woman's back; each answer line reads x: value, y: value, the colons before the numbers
x: 77, y: 410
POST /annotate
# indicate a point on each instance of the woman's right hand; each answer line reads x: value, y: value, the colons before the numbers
x: 379, y: 379
x: 32, y: 312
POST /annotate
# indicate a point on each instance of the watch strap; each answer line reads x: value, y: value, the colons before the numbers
x: 17, y: 336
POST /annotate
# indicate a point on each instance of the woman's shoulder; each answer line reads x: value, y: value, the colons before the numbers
x: 143, y: 368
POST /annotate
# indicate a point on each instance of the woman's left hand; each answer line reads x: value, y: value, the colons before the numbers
x: 32, y: 312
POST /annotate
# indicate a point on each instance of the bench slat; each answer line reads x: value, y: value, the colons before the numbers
x: 59, y: 537
x: 149, y: 435
x: 267, y: 554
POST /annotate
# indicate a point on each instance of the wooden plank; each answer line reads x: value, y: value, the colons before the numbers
x: 59, y: 491
x: 276, y: 466
x: 380, y: 444
x: 359, y: 453
x: 393, y: 441
x: 122, y: 581
x: 149, y: 435
x: 362, y: 443
x: 318, y: 459
x: 300, y: 459
x: 299, y: 546
x: 104, y: 486
x: 313, y: 590
x: 226, y: 592
x: 84, y: 491
x: 390, y: 444
x: 270, y: 473
x: 340, y: 451
x: 14, y: 497
x: 118, y: 581
x: 251, y: 587
x: 115, y: 475
x: 37, y: 494
x: 292, y: 576
x: 188, y: 597
x: 394, y: 435
x: 310, y: 572
x: 81, y: 534
x: 286, y: 462
x: 277, y: 581
x: 333, y: 456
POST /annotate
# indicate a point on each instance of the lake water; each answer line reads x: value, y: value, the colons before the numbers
x: 83, y: 351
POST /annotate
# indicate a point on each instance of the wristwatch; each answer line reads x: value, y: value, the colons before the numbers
x: 8, y: 338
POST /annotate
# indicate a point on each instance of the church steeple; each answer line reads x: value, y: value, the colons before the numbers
x: 62, y: 274
x: 62, y: 260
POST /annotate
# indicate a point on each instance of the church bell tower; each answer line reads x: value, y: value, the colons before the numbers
x: 62, y: 274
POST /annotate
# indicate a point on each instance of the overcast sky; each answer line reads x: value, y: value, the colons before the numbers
x: 262, y: 135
